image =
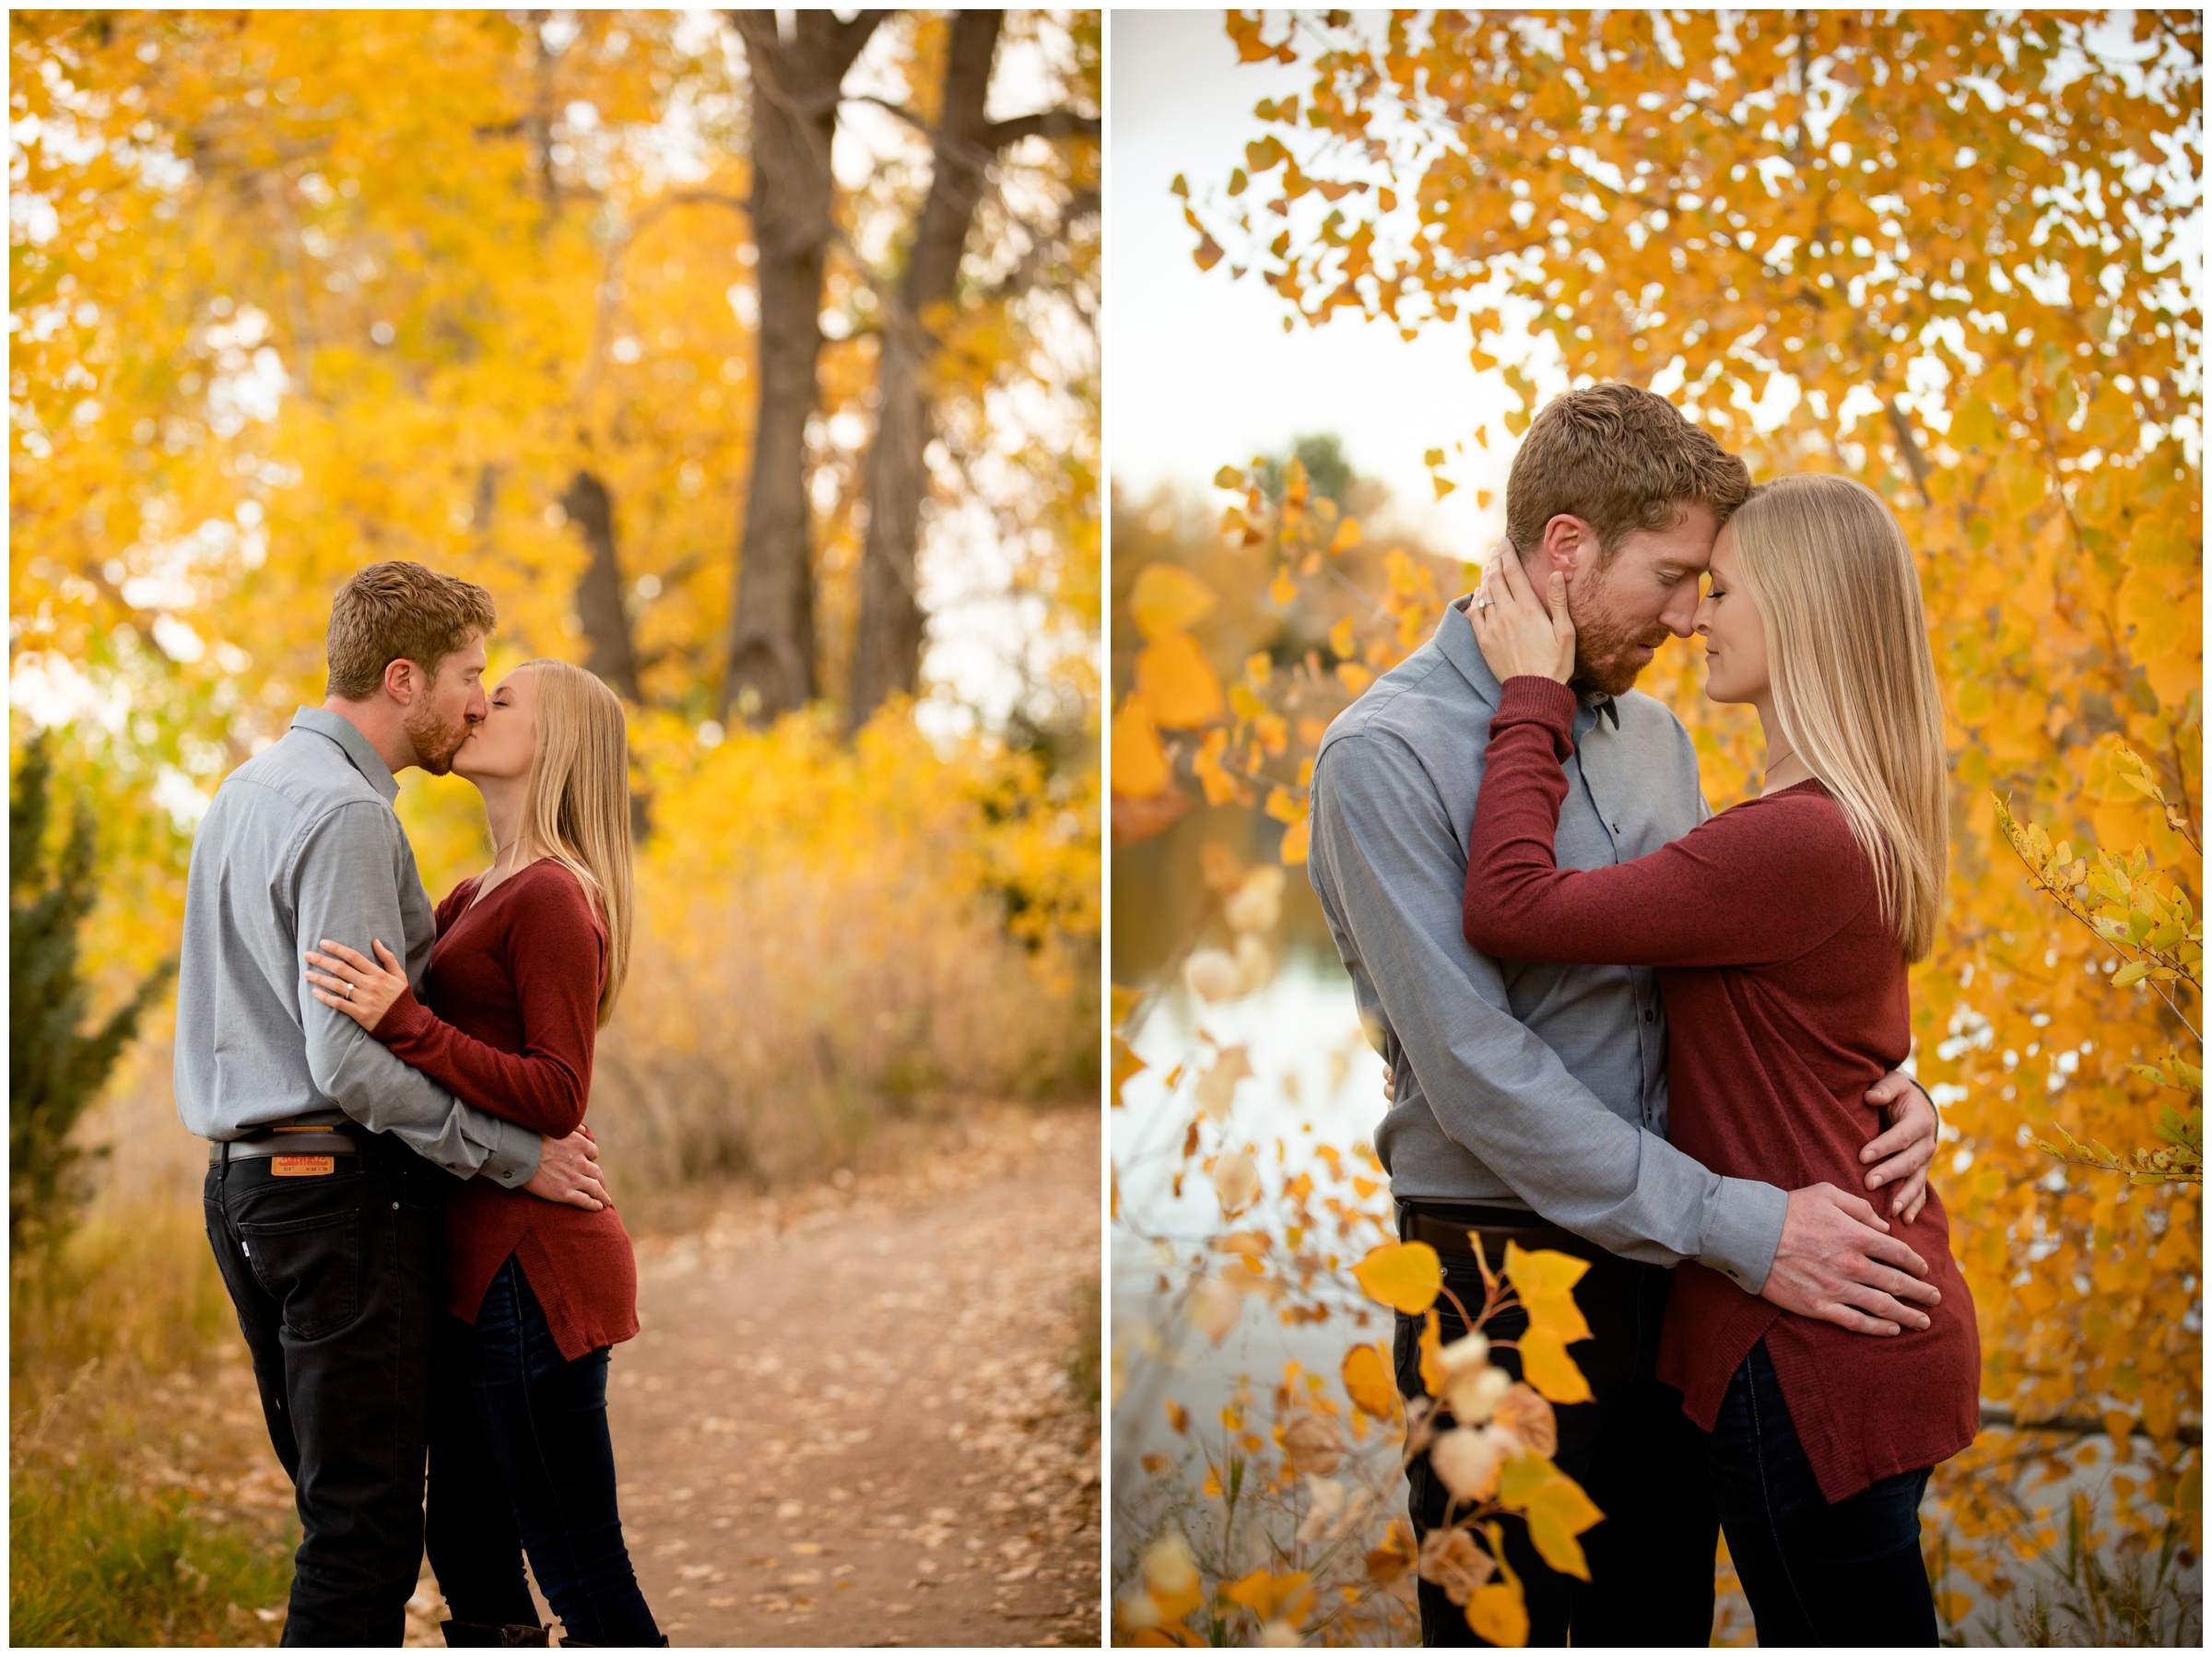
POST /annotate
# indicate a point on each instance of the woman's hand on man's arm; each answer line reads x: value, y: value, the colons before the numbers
x: 361, y: 989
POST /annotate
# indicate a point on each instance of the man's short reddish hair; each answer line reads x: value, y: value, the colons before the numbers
x: 1620, y: 458
x: 399, y: 612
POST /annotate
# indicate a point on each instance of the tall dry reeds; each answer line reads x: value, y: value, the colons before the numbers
x: 834, y: 939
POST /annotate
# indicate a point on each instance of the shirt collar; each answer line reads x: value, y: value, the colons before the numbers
x: 347, y: 735
x: 1456, y: 640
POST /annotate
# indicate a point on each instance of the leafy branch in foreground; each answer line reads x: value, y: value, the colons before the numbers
x: 2160, y: 939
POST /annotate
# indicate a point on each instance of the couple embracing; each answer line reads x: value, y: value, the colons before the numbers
x: 1666, y: 1041
x: 401, y: 1194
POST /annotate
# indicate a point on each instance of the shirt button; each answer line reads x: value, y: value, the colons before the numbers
x: 1649, y: 1016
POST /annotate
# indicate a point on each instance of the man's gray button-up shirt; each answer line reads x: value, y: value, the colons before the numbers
x: 301, y: 844
x: 1520, y: 1083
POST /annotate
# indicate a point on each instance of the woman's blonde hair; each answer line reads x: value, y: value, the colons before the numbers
x: 577, y: 809
x: 1827, y: 563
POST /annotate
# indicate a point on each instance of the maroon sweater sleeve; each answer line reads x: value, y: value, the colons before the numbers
x: 554, y: 948
x: 1763, y: 882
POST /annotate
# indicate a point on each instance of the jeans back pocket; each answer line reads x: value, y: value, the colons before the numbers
x: 312, y: 1266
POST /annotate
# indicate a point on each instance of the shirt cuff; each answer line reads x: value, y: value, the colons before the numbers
x: 513, y: 1158
x: 1743, y: 1229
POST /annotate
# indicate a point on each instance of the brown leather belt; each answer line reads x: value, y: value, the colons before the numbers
x: 1451, y: 1237
x: 284, y: 1142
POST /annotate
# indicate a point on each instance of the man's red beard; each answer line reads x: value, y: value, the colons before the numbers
x: 1605, y: 658
x: 435, y: 742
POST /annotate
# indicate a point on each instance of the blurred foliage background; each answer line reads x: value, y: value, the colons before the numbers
x: 748, y: 360
x: 1952, y: 255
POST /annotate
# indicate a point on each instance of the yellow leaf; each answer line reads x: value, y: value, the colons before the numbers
x: 1974, y: 426
x: 1167, y: 599
x: 1556, y: 1506
x: 1178, y: 686
x: 1268, y: 1596
x: 1431, y: 1350
x: 1545, y: 1363
x: 1495, y: 1611
x: 1355, y: 677
x: 1368, y: 1382
x: 1282, y: 590
x: 1545, y: 1280
x: 1295, y: 842
x: 1401, y: 1275
x: 1140, y: 765
x: 1406, y: 1275
x: 1125, y: 1064
x: 1347, y: 535
x: 1171, y: 1578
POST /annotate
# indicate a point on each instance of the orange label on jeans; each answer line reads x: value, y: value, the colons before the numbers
x: 302, y: 1165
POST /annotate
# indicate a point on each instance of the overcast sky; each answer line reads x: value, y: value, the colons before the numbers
x: 1200, y: 370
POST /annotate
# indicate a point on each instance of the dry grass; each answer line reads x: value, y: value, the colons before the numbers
x: 779, y: 1030
x: 145, y: 1505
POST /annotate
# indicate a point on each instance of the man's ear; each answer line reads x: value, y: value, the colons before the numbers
x: 1570, y: 546
x: 402, y: 679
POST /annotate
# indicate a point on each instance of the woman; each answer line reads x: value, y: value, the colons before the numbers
x: 530, y: 958
x: 1781, y: 930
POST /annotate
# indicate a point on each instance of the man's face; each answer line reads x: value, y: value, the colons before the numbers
x: 444, y: 709
x: 1625, y: 609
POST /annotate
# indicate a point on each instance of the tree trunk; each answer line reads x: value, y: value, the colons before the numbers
x: 614, y: 657
x: 600, y: 610
x: 886, y: 656
x: 770, y: 666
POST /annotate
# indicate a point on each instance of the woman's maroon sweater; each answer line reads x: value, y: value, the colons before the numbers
x: 514, y: 1011
x: 1786, y: 999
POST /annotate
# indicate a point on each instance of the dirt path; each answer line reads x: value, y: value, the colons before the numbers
x: 847, y: 1420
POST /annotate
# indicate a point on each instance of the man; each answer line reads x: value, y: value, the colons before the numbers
x: 330, y: 1160
x: 1530, y: 1099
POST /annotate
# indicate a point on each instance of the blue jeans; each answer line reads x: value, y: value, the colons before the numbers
x: 520, y: 1458
x: 1816, y: 1574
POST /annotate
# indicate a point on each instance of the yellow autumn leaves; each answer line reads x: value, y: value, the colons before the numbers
x: 1495, y: 1457
x: 1175, y: 687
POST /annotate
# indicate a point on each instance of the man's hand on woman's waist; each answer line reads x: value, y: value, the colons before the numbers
x: 568, y: 1171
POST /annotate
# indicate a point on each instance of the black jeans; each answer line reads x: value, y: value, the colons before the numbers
x: 1847, y: 1574
x: 520, y: 1458
x: 1631, y: 1448
x: 339, y: 1279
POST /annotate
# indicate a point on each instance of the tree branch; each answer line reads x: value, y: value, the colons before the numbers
x: 1048, y: 124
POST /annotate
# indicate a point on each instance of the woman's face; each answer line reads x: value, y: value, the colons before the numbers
x: 505, y: 742
x: 1734, y: 634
